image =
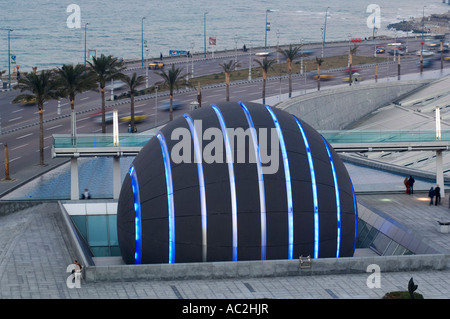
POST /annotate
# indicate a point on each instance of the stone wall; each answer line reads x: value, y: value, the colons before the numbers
x: 266, y: 268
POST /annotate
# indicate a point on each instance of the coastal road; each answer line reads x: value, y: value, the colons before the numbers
x: 19, y: 123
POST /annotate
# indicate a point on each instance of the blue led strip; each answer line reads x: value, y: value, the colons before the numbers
x: 355, y: 207
x: 314, y: 189
x: 262, y: 199
x: 201, y: 182
x: 171, y: 206
x: 338, y: 200
x: 230, y: 159
x: 137, y: 216
x: 287, y: 175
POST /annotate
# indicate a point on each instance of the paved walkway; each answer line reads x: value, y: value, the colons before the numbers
x: 34, y: 257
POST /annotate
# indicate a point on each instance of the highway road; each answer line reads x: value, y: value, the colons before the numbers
x: 20, y: 123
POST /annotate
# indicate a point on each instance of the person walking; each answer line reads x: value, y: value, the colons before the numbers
x: 431, y: 195
x: 411, y: 181
x: 437, y: 193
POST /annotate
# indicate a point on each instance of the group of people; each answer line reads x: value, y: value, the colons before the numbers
x: 435, y: 192
x: 409, y: 184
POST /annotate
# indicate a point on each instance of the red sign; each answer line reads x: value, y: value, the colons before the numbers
x: 212, y: 40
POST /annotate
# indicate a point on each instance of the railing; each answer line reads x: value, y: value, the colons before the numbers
x: 61, y: 141
x: 384, y: 136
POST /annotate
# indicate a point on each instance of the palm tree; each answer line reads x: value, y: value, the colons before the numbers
x: 351, y: 52
x: 265, y: 65
x: 72, y: 80
x: 173, y: 79
x: 290, y: 55
x: 132, y: 83
x: 42, y: 88
x: 319, y: 62
x: 227, y: 68
x: 105, y: 68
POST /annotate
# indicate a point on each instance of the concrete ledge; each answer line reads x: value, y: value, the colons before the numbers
x: 337, y: 109
x: 10, y: 207
x: 267, y: 268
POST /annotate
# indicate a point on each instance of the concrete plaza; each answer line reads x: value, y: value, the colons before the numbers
x: 35, y: 248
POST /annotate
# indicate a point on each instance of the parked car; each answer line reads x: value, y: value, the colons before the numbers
x: 380, y: 50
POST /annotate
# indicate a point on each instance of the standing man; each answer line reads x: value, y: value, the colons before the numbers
x: 411, y: 184
x: 437, y: 193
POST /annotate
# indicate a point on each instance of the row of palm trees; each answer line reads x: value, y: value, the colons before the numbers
x: 290, y: 54
x: 70, y: 80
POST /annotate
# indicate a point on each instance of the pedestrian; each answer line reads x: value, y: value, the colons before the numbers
x: 411, y: 181
x: 86, y: 194
x: 437, y: 193
x: 406, y: 182
x: 77, y: 270
x: 431, y: 195
x: 130, y: 129
x: 160, y: 56
x: 134, y: 129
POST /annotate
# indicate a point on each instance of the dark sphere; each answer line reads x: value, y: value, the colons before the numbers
x: 270, y: 187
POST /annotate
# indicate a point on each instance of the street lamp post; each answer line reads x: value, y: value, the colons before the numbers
x: 142, y: 41
x: 265, y: 41
x: 250, y: 63
x: 324, y: 30
x: 204, y: 32
x: 9, y: 58
x: 85, y: 28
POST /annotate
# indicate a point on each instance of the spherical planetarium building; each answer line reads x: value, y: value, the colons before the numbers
x: 236, y: 181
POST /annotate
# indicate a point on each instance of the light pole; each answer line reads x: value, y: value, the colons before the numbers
x: 85, y: 28
x: 192, y: 59
x: 142, y: 41
x: 265, y: 41
x: 9, y: 58
x: 324, y: 30
x: 204, y: 32
x: 250, y: 63
x: 235, y: 49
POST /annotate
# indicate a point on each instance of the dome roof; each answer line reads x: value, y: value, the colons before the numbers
x: 267, y: 186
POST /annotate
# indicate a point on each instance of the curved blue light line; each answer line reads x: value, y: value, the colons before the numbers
x: 355, y: 207
x: 137, y: 216
x: 287, y: 175
x: 171, y: 206
x: 262, y: 199
x: 201, y: 182
x: 314, y: 189
x: 338, y: 200
x: 229, y: 156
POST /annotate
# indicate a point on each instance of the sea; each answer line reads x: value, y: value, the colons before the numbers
x: 47, y: 34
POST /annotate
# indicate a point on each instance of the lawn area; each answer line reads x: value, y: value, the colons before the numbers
x: 309, y: 64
